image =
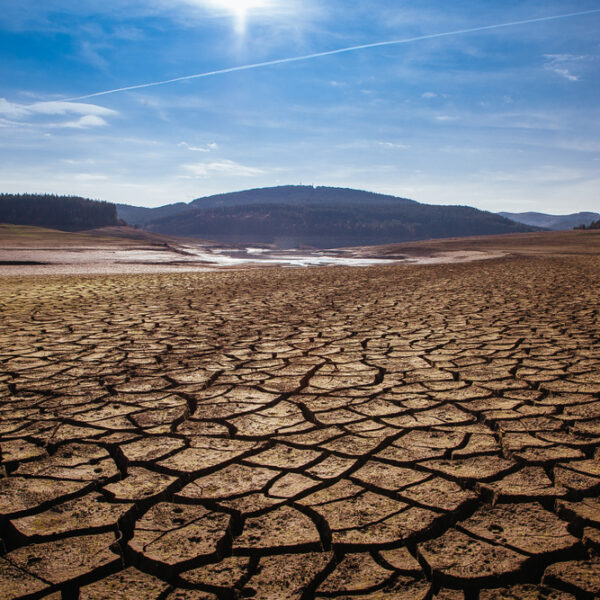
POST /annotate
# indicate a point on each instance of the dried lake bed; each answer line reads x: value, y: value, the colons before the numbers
x: 80, y: 254
x: 394, y: 431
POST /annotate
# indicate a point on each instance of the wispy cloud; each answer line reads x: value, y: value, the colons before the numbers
x: 369, y: 144
x: 90, y: 53
x: 527, y: 120
x: 207, y: 148
x: 57, y: 107
x: 393, y: 145
x: 222, y: 167
x: 21, y: 14
x: 77, y: 162
x: 316, y: 55
x: 83, y: 122
x: 90, y: 115
x: 565, y: 65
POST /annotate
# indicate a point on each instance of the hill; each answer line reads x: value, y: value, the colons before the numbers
x: 140, y: 215
x: 284, y: 195
x: 554, y: 222
x: 66, y: 213
x: 323, y: 217
x: 293, y: 195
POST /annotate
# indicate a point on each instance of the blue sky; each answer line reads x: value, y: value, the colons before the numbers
x: 503, y: 119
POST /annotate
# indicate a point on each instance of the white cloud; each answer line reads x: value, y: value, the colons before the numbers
x: 563, y: 65
x: 208, y: 148
x: 367, y: 144
x: 445, y: 118
x: 13, y: 124
x: 428, y: 95
x: 56, y: 107
x: 83, y: 161
x: 12, y: 110
x: 90, y: 115
x: 84, y: 122
x: 393, y: 145
x: 222, y: 167
x: 566, y: 74
x: 90, y: 53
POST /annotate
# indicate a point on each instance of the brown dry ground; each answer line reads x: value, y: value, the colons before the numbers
x: 401, y: 432
x: 30, y: 237
x: 556, y: 243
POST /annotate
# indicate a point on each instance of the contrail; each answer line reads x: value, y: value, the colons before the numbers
x: 281, y: 61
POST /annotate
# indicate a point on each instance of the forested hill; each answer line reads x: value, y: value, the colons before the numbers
x: 299, y: 195
x: 67, y: 213
x: 323, y: 217
x: 284, y: 195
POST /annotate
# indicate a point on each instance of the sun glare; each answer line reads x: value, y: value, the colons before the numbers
x: 239, y: 9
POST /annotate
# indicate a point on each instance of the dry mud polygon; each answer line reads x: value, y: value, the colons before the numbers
x: 390, y: 432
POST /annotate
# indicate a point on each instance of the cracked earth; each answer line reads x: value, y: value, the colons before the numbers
x: 391, y: 432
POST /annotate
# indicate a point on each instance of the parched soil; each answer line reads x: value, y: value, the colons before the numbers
x: 401, y: 432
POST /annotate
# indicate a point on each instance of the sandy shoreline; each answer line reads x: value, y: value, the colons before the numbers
x: 88, y: 261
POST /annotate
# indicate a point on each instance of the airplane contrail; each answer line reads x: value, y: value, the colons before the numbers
x: 281, y: 61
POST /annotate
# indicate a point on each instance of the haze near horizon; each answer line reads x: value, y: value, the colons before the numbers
x: 158, y: 102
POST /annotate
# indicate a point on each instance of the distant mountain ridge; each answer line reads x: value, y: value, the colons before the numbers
x: 140, y: 215
x: 555, y: 222
x: 323, y: 217
x: 66, y: 213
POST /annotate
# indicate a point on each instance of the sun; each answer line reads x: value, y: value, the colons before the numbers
x: 239, y: 9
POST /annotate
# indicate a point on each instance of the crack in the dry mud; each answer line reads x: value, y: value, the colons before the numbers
x: 401, y: 432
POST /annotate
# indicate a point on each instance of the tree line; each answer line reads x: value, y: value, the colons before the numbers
x: 67, y: 213
x: 592, y: 225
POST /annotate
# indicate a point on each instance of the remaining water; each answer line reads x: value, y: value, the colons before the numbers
x: 288, y: 258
